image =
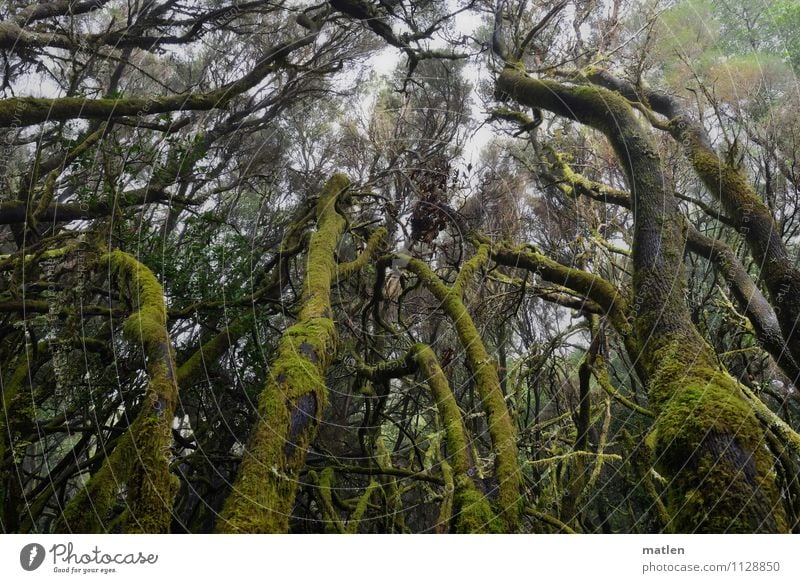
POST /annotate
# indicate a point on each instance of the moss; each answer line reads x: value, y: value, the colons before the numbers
x: 89, y: 510
x: 477, y: 514
x: 587, y: 284
x: 138, y: 467
x: 472, y: 513
x: 139, y: 464
x: 471, y: 510
x: 151, y: 486
x: 601, y: 375
x: 753, y: 218
x: 789, y: 436
x: 333, y: 523
x: 450, y: 414
x: 487, y: 382
x: 361, y: 507
x: 470, y: 268
x: 147, y: 326
x: 25, y: 111
x: 11, y: 389
x: 592, y: 105
x: 266, y: 483
x: 707, y: 441
x: 295, y: 395
x: 194, y: 366
x: 511, y: 115
x: 9, y: 416
x: 709, y: 444
x: 446, y: 507
x: 350, y: 267
x: 551, y: 520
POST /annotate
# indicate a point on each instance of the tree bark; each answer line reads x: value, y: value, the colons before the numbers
x: 294, y: 398
x: 707, y: 440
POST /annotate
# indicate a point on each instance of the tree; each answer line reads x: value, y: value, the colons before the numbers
x: 252, y: 286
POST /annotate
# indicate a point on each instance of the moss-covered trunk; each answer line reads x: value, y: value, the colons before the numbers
x: 471, y: 511
x: 754, y: 221
x: 139, y: 463
x: 487, y: 382
x: 294, y: 398
x: 707, y: 440
x: 747, y: 294
x: 729, y: 183
x: 465, y: 509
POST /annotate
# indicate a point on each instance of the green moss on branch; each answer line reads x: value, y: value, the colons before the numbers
x: 350, y: 267
x: 587, y: 284
x: 707, y: 440
x: 139, y: 464
x: 487, y: 382
x: 295, y: 396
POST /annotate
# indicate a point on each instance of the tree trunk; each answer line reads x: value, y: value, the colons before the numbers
x: 707, y: 440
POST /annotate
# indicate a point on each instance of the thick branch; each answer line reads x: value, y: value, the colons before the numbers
x: 731, y: 185
x: 141, y: 460
x: 294, y: 398
x: 706, y: 436
x: 26, y: 111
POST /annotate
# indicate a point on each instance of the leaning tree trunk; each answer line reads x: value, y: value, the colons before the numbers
x: 706, y: 439
x: 294, y: 398
x: 140, y: 460
x: 729, y: 184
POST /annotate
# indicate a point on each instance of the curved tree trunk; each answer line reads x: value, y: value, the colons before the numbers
x: 707, y: 440
x: 292, y: 403
x: 730, y: 184
x: 140, y: 461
